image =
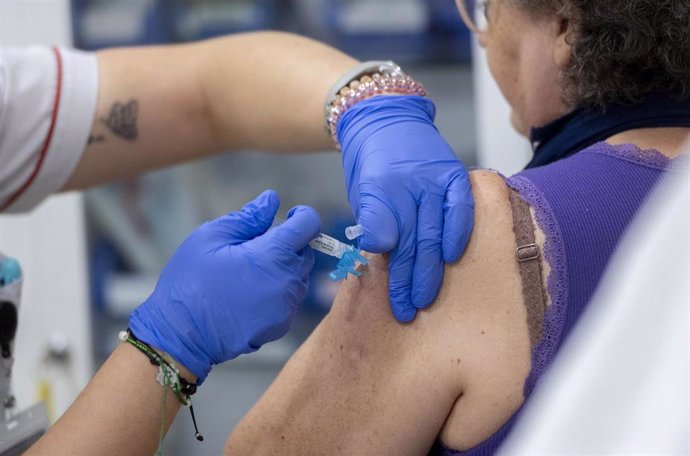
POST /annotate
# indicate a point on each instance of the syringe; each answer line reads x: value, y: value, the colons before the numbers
x: 348, y: 255
x: 330, y: 246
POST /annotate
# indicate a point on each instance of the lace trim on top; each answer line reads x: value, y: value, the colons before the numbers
x: 554, y: 249
x: 634, y: 154
x: 554, y: 254
x: 557, y: 282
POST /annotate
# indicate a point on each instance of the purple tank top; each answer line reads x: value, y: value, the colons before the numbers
x: 583, y: 204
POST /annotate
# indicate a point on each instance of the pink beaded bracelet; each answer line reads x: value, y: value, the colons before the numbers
x: 367, y: 87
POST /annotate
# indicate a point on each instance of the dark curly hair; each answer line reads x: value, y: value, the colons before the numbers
x: 623, y: 50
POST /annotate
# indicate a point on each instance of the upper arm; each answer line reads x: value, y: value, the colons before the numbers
x: 365, y: 384
x: 151, y: 112
x: 47, y: 99
x: 162, y: 105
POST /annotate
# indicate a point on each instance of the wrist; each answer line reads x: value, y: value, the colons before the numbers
x: 386, y: 121
x: 365, y: 81
x: 170, y: 373
x: 184, y: 373
x: 167, y: 337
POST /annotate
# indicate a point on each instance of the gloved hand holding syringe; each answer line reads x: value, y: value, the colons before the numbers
x: 348, y: 255
x: 235, y: 284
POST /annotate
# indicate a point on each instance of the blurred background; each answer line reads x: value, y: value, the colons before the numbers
x: 125, y: 232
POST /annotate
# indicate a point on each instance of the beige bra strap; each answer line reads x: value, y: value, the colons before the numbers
x: 529, y: 261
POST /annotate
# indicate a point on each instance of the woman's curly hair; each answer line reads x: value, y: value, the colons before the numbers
x: 623, y: 50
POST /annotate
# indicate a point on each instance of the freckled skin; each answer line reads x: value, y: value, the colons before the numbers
x: 365, y: 384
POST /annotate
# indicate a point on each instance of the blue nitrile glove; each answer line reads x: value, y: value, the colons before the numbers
x: 409, y: 192
x: 231, y: 286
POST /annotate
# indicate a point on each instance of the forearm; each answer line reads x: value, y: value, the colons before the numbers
x: 269, y: 93
x: 159, y: 106
x: 118, y: 413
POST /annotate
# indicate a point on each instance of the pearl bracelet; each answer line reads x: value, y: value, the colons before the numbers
x: 365, y: 87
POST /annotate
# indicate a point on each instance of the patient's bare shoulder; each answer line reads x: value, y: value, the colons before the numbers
x: 484, y: 293
x: 365, y: 384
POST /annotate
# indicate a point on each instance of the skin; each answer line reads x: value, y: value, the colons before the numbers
x: 525, y: 54
x: 123, y: 399
x: 460, y: 373
x: 158, y: 106
x: 459, y: 368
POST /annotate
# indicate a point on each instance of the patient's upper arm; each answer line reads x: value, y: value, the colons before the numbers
x: 364, y: 384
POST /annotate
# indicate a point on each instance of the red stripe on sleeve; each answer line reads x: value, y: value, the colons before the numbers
x: 49, y: 137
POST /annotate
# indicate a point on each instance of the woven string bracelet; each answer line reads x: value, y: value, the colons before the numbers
x: 168, y: 374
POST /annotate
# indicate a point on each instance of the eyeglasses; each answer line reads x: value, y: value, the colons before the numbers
x: 468, y: 11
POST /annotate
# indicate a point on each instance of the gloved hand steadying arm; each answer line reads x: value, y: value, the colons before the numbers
x: 231, y: 286
x: 409, y: 192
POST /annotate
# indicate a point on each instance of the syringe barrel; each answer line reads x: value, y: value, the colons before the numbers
x: 323, y: 243
x: 328, y: 245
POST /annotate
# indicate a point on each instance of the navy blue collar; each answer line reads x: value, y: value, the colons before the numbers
x: 584, y: 127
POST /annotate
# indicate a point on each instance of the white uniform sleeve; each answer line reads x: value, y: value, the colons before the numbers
x: 47, y: 105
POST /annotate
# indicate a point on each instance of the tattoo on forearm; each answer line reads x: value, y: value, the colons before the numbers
x: 122, y: 120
